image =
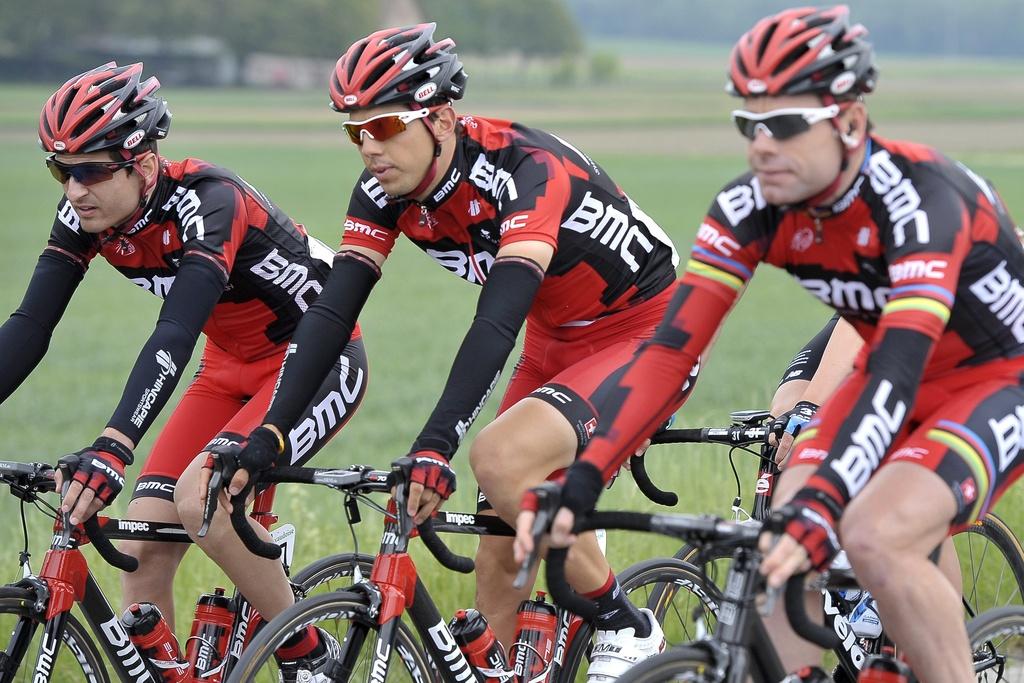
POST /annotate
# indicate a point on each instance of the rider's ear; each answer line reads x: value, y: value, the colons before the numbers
x: 444, y: 123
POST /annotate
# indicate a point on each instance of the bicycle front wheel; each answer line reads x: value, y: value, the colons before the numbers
x: 997, y: 641
x: 78, y: 658
x: 345, y: 615
x: 674, y: 592
x: 992, y: 566
x: 333, y: 573
x: 678, y: 664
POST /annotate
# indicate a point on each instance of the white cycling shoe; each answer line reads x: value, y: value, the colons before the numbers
x: 616, y: 651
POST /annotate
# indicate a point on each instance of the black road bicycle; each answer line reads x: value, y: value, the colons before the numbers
x: 740, y: 648
x: 372, y: 618
x: 48, y: 642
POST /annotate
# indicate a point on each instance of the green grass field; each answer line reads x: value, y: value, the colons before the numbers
x: 662, y: 131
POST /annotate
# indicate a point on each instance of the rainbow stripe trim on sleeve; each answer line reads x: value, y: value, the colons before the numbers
x: 918, y: 303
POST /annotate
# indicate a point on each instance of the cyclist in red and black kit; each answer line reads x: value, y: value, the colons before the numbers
x: 553, y: 242
x: 919, y: 254
x: 226, y: 261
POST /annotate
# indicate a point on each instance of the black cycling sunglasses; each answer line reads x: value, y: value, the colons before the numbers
x: 782, y: 124
x: 86, y: 174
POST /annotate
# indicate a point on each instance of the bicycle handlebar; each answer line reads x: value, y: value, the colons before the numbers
x: 796, y: 612
x: 349, y: 479
x: 354, y: 478
x: 695, y: 529
x: 441, y: 552
x: 736, y: 435
x: 106, y: 549
x: 26, y: 479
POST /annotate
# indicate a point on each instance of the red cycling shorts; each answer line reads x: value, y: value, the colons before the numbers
x: 966, y: 426
x: 229, y: 397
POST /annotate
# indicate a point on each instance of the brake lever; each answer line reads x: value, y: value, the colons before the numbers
x: 540, y: 526
x: 65, y: 515
x: 212, y: 494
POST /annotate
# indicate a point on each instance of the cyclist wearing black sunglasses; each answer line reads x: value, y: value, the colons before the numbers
x: 914, y: 250
x: 226, y: 261
x: 554, y: 243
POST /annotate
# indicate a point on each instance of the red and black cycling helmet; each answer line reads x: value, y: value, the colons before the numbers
x: 398, y: 65
x: 105, y: 108
x: 804, y: 51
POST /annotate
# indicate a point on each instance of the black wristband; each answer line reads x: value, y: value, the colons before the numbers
x: 115, y: 448
x: 582, y: 488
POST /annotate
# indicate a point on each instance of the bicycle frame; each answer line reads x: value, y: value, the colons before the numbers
x: 850, y: 652
x: 394, y: 588
x: 64, y: 579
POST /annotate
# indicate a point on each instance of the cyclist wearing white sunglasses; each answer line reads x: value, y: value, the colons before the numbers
x: 919, y: 254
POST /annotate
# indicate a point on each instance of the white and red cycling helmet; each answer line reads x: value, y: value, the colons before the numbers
x: 108, y: 107
x: 804, y: 51
x: 397, y: 65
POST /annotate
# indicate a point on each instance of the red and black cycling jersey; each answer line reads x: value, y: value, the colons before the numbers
x: 508, y: 183
x: 920, y: 255
x: 225, y: 259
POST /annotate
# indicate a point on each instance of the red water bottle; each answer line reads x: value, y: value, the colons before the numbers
x: 150, y: 634
x: 211, y: 628
x: 535, y: 637
x: 477, y: 642
x: 884, y: 668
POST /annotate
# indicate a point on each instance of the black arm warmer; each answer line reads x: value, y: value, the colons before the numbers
x: 504, y: 302
x: 323, y: 332
x: 25, y: 336
x: 197, y: 287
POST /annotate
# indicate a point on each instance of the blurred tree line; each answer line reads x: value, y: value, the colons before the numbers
x: 953, y: 27
x: 310, y: 28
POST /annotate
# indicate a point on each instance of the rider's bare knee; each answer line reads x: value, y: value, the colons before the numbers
x: 866, y: 546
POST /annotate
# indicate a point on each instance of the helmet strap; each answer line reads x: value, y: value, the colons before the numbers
x: 144, y: 195
x: 431, y: 173
x: 815, y: 202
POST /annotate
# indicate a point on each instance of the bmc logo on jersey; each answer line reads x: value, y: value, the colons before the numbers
x: 1004, y: 296
x: 900, y: 198
x: 495, y: 181
x: 846, y: 295
x: 364, y: 229
x: 740, y: 201
x: 187, y: 204
x: 918, y: 269
x: 293, y: 278
x: 66, y: 215
x: 871, y: 439
x: 712, y: 236
x: 329, y: 412
x: 472, y: 269
x: 372, y: 189
x: 513, y: 223
x: 609, y: 227
x: 1009, y: 433
x: 156, y: 284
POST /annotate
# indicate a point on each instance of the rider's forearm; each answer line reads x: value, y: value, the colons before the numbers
x: 876, y: 401
x: 25, y: 337
x: 321, y: 336
x: 659, y: 377
x: 836, y: 363
x: 503, y: 306
x: 197, y: 287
